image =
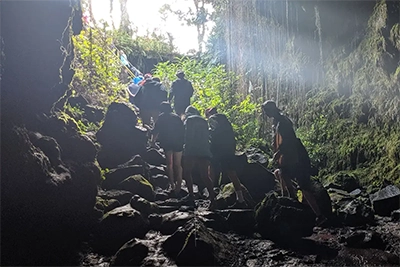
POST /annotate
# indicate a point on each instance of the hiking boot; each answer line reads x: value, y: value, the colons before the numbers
x: 239, y: 205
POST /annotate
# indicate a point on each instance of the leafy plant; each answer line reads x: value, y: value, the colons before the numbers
x: 214, y: 87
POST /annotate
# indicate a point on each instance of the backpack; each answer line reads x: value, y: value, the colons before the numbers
x: 222, y: 137
x: 153, y: 93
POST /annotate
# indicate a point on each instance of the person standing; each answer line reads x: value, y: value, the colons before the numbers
x: 181, y: 92
x: 151, y: 94
x: 292, y: 158
x: 170, y: 131
x: 223, y: 148
x: 197, y: 152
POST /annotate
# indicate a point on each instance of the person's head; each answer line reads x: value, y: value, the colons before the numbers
x: 180, y: 74
x: 165, y: 107
x: 270, y: 109
x: 190, y: 111
x: 147, y: 76
x: 156, y: 79
x: 211, y: 111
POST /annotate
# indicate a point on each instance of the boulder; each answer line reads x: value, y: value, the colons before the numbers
x: 256, y: 155
x: 42, y: 194
x: 173, y: 220
x: 365, y: 239
x: 283, y: 219
x: 144, y: 206
x: 160, y: 180
x: 240, y: 221
x: 106, y: 204
x: 156, y: 170
x: 227, y: 197
x: 154, y: 157
x: 132, y: 253
x: 396, y: 215
x: 356, y: 213
x: 137, y: 185
x: 161, y: 196
x: 347, y: 182
x: 258, y: 180
x: 117, y: 227
x: 196, y: 245
x: 119, y: 137
x: 386, y: 200
x: 115, y: 176
x: 322, y: 198
x: 75, y: 146
x: 122, y: 196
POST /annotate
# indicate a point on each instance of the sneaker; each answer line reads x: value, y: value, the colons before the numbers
x: 239, y: 205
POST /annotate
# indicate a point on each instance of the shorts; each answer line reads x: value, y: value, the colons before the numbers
x: 299, y: 173
x: 172, y: 145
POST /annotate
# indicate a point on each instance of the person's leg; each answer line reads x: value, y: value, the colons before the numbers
x: 188, y: 164
x: 178, y: 170
x: 286, y: 182
x: 203, y: 166
x: 236, y: 184
x: 304, y: 181
x: 170, y: 168
x: 277, y: 174
x: 146, y: 118
x: 309, y: 197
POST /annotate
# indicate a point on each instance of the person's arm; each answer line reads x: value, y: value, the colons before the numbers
x: 191, y: 90
x: 188, y: 129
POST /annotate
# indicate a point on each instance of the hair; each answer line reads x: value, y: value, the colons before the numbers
x: 180, y: 74
x: 165, y: 107
x: 211, y: 111
x: 190, y: 110
x: 156, y: 79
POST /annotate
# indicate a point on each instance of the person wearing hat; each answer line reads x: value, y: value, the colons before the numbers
x: 181, y: 92
x: 223, y: 148
x: 291, y: 156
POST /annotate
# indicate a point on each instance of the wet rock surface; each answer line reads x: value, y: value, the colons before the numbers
x: 386, y: 200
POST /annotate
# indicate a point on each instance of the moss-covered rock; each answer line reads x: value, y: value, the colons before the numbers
x: 117, y: 227
x: 144, y: 206
x: 138, y: 185
x: 283, y: 219
x: 227, y: 196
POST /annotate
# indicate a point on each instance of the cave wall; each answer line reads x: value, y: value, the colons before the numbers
x: 31, y: 33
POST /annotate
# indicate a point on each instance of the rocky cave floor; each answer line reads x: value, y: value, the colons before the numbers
x: 370, y: 245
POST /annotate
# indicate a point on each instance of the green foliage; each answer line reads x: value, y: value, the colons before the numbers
x: 97, y: 68
x: 214, y: 87
x: 152, y: 45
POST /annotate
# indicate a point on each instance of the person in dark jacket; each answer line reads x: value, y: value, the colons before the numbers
x: 181, y: 92
x: 196, y: 151
x: 291, y: 156
x: 169, y: 131
x: 223, y: 148
x: 148, y: 100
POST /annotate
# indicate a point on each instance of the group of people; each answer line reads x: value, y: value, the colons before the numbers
x: 208, y: 143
